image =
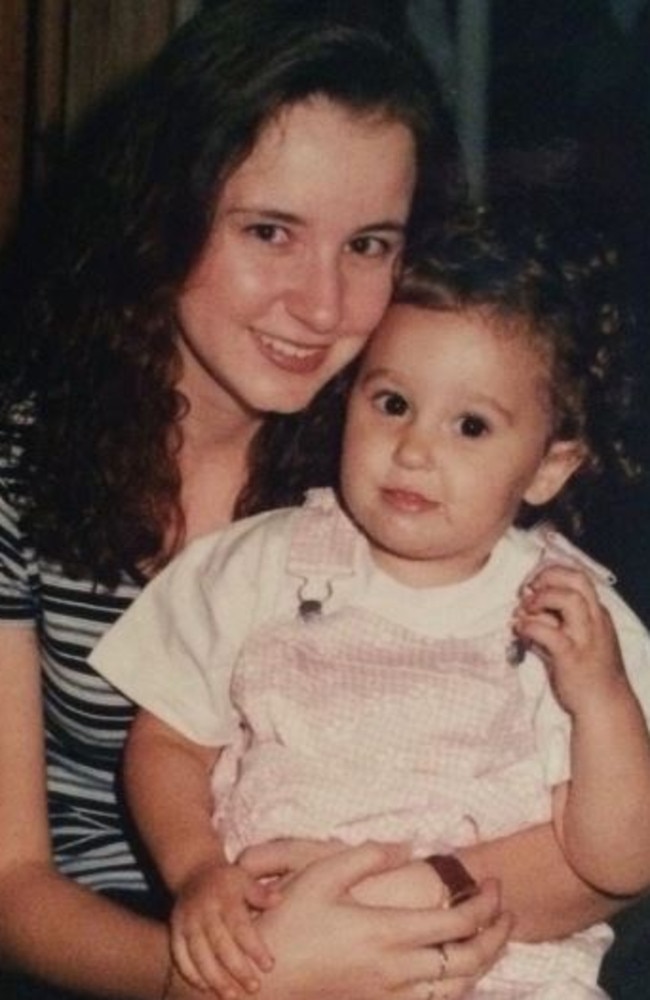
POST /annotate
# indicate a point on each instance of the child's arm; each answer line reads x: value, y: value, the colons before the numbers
x: 603, y: 813
x: 214, y: 940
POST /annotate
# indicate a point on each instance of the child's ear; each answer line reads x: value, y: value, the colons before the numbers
x: 561, y: 460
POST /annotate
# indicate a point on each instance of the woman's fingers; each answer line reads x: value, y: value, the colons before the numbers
x: 473, y: 957
x: 427, y: 927
x: 415, y: 928
x: 458, y: 965
x: 279, y: 857
x: 375, y: 952
x: 341, y: 871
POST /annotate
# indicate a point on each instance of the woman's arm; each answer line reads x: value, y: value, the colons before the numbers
x: 540, y: 890
x: 50, y: 926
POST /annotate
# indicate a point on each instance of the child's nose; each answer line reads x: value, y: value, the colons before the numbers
x: 415, y: 448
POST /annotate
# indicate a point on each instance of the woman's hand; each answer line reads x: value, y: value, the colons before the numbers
x: 413, y: 884
x: 329, y: 946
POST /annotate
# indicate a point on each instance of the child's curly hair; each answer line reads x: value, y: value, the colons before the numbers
x: 532, y: 261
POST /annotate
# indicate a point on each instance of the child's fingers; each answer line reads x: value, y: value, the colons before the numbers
x: 193, y: 972
x: 559, y: 621
x: 285, y: 856
x: 561, y: 608
x: 247, y: 936
x: 187, y: 968
x: 262, y: 896
x: 543, y: 634
x: 554, y: 622
x: 228, y: 951
x: 206, y: 962
x: 565, y: 580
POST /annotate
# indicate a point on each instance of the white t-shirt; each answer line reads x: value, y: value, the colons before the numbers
x: 174, y: 650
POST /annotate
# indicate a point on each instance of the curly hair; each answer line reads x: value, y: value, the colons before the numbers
x: 534, y: 261
x: 93, y: 347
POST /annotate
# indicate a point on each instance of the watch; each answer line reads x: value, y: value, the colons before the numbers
x: 454, y: 875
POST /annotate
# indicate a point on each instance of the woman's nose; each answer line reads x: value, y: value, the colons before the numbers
x: 316, y: 296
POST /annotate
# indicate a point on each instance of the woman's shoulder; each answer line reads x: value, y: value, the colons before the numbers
x: 13, y: 433
x: 12, y: 482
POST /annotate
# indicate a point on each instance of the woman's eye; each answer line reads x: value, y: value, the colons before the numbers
x: 472, y: 426
x: 268, y: 232
x: 370, y: 246
x: 391, y: 403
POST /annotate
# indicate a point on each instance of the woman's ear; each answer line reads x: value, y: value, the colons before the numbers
x: 561, y: 460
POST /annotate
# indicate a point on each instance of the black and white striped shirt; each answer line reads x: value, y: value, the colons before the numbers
x: 85, y: 719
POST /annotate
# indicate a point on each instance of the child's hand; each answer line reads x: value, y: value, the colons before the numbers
x: 560, y: 615
x: 214, y: 940
x: 285, y: 858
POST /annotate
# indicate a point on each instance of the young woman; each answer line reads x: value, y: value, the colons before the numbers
x: 225, y: 249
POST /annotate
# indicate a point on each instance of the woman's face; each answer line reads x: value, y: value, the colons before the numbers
x: 299, y: 266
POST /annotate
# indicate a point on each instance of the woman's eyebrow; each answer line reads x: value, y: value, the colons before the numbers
x: 290, y: 218
x: 275, y: 214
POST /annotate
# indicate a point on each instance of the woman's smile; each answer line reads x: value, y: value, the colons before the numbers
x: 300, y: 359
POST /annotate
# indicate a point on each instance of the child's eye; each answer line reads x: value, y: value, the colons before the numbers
x: 472, y: 426
x: 392, y: 404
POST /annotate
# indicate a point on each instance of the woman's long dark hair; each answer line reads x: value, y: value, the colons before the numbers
x: 91, y: 364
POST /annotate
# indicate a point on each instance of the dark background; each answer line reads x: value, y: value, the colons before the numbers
x: 561, y: 78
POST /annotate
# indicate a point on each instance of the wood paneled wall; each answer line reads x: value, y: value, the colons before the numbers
x: 13, y: 61
x: 56, y: 58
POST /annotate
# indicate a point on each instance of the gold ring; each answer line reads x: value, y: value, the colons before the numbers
x: 444, y: 960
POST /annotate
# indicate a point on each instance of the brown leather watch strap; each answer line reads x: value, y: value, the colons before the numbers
x: 455, y: 876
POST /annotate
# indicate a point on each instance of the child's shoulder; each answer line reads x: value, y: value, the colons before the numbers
x: 543, y: 545
x: 260, y: 541
x: 246, y: 539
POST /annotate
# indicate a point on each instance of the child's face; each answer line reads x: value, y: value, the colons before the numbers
x: 447, y: 431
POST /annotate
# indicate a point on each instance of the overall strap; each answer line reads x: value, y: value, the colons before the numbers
x: 322, y: 549
x: 324, y: 539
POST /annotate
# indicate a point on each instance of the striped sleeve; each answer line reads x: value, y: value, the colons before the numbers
x: 17, y: 566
